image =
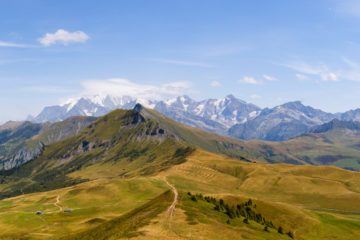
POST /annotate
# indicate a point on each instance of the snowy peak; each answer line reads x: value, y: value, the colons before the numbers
x: 216, y: 115
x: 183, y: 103
x: 224, y: 112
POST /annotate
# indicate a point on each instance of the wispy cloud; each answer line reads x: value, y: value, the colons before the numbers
x: 250, y: 80
x: 14, y: 45
x: 319, y: 70
x: 306, y: 68
x: 301, y: 77
x: 215, y: 84
x: 63, y: 37
x: 353, y: 72
x: 269, y: 78
x: 180, y: 62
x: 122, y: 87
x: 350, y: 71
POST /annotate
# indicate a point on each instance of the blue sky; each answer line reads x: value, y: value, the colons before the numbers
x: 264, y: 52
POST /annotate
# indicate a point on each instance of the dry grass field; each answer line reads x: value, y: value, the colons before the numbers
x: 312, y: 202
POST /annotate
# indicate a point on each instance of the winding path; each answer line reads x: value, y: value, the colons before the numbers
x: 171, y: 210
x: 57, y: 203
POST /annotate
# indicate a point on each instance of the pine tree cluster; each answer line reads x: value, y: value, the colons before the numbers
x: 244, y: 210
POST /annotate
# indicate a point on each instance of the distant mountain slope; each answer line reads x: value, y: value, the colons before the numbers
x: 351, y: 115
x: 335, y: 143
x: 281, y: 122
x: 336, y: 124
x: 232, y: 147
x: 22, y: 141
x: 10, y: 125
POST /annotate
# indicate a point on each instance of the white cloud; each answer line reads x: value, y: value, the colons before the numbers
x: 180, y: 62
x: 306, y: 68
x: 301, y: 77
x: 215, y: 84
x: 255, y: 96
x: 330, y: 76
x: 15, y: 45
x: 63, y: 37
x: 270, y: 78
x: 123, y: 87
x: 249, y: 80
x: 320, y: 70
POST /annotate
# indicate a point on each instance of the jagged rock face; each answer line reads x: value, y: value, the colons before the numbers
x: 22, y: 156
x: 21, y: 142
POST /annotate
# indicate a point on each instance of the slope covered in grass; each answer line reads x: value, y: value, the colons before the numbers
x: 311, y: 202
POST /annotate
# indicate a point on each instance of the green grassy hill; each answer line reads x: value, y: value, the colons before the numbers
x: 122, y: 143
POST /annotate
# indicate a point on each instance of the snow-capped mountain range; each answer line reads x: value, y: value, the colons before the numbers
x: 227, y: 116
x: 216, y: 115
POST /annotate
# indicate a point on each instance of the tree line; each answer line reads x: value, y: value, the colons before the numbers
x: 244, y: 210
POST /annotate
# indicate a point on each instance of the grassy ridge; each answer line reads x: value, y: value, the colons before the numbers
x: 122, y: 143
